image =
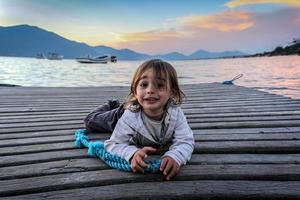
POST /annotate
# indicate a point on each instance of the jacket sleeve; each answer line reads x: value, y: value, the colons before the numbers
x: 183, y: 141
x: 119, y: 142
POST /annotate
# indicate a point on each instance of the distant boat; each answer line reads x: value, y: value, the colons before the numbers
x: 113, y: 59
x: 98, y: 59
x: 54, y: 56
x: 40, y: 56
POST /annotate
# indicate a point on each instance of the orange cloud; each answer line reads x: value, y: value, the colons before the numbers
x: 148, y: 35
x: 226, y: 21
x: 238, y: 3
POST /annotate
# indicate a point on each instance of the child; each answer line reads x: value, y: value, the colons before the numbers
x: 152, y: 120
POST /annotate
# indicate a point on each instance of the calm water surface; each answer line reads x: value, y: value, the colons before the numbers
x: 279, y: 74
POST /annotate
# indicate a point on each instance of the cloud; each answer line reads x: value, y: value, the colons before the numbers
x: 152, y: 35
x: 238, y: 3
x: 230, y: 30
x: 186, y: 26
x: 225, y: 21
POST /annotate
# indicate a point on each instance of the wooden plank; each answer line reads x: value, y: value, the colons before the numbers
x: 190, y: 101
x: 40, y: 118
x: 187, y: 190
x: 246, y: 137
x: 244, y: 124
x: 71, y: 127
x: 24, y: 167
x: 45, y: 140
x: 225, y: 132
x: 239, y: 110
x: 35, y: 108
x: 40, y: 157
x: 288, y: 172
x: 103, y: 136
x: 263, y: 130
x: 272, y: 113
x: 17, y: 117
x: 239, y: 104
x: 72, y: 120
x: 248, y: 147
x: 198, y: 118
x: 241, y: 118
x: 34, y: 134
x: 215, y: 125
x: 51, y: 168
x: 216, y: 159
x: 36, y: 148
x: 275, y: 146
x: 32, y: 111
x: 92, y: 99
x: 194, y: 99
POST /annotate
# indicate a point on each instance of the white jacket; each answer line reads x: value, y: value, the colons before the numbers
x: 130, y: 134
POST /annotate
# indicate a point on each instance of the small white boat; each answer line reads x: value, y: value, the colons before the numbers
x: 40, y: 56
x: 98, y: 59
x: 54, y: 56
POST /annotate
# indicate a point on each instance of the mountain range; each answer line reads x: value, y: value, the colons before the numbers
x: 28, y: 41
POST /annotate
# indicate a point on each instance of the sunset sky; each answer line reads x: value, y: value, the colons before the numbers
x: 163, y: 26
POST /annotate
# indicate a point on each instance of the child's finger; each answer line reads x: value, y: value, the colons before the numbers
x: 172, y: 173
x: 149, y: 150
x: 137, y: 168
x: 162, y: 164
x: 143, y: 164
x: 167, y: 168
x: 140, y: 159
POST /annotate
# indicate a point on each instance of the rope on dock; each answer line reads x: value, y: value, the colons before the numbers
x: 230, y: 82
x: 97, y: 149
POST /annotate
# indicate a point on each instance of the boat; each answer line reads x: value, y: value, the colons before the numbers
x: 40, y: 56
x: 113, y: 59
x: 97, y: 59
x: 54, y: 56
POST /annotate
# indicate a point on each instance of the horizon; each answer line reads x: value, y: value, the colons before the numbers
x: 223, y: 25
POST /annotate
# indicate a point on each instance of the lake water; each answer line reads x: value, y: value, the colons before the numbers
x: 279, y: 74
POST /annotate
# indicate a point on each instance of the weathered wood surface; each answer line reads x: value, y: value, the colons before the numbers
x: 247, y: 146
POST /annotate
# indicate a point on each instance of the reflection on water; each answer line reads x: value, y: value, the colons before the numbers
x: 279, y: 74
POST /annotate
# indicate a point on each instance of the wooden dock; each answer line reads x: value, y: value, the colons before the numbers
x: 247, y: 147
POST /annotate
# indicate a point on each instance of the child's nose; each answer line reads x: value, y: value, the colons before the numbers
x: 151, y: 88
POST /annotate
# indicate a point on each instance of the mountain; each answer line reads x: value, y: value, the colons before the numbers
x: 292, y: 49
x: 201, y: 54
x: 171, y: 56
x: 28, y: 41
x: 122, y: 54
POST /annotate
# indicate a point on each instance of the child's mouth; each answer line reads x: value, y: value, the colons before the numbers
x: 151, y: 99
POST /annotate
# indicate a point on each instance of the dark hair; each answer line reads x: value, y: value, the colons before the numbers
x: 161, y: 69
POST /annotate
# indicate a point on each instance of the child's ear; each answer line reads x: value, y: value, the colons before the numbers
x: 134, y: 93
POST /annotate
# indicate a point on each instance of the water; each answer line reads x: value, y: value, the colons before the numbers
x: 280, y: 75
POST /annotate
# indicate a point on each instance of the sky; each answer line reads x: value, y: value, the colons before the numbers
x: 163, y: 26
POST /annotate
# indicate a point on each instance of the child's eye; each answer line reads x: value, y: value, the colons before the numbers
x: 143, y: 84
x: 160, y: 85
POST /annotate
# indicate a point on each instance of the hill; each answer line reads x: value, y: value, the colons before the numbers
x: 292, y: 49
x: 28, y: 41
x: 201, y: 54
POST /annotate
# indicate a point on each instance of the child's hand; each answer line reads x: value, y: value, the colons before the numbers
x: 169, y: 167
x: 137, y: 161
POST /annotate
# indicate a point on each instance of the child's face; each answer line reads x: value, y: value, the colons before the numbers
x: 153, y: 93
